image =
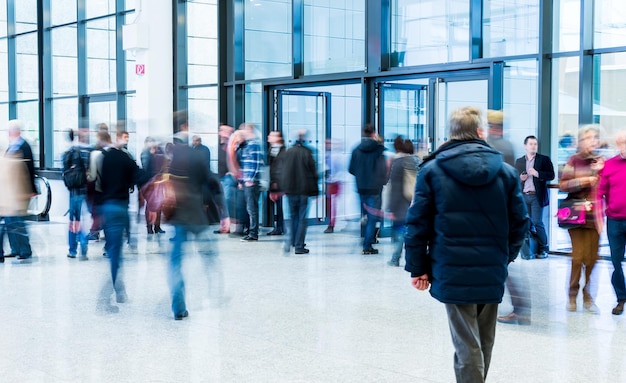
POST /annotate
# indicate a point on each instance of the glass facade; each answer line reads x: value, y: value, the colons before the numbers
x: 334, y: 36
x: 566, y: 25
x: 202, y: 42
x: 267, y: 38
x: 510, y: 27
x: 609, y: 24
x: 429, y: 32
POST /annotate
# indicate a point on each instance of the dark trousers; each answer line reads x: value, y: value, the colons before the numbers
x: 18, y: 235
x: 298, y: 209
x: 473, y: 330
x: 585, y: 244
x: 373, y: 202
x: 115, y: 215
x: 277, y: 208
x: 252, y: 206
x: 616, y: 231
x: 538, y: 230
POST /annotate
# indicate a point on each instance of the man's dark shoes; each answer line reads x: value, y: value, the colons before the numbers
x: 1, y: 258
x: 302, y: 251
x: 542, y: 255
x: 248, y: 238
x: 181, y: 315
x: 23, y: 257
x: 513, y: 318
x: 275, y: 232
x: 70, y: 255
x: 619, y: 309
x: 369, y: 251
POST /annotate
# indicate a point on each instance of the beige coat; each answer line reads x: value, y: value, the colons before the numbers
x: 15, y: 186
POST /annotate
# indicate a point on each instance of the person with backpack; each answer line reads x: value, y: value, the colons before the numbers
x: 75, y: 161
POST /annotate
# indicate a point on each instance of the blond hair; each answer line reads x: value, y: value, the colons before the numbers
x: 465, y: 123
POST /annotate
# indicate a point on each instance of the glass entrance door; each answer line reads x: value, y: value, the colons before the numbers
x: 453, y: 94
x: 404, y: 112
x: 297, y: 110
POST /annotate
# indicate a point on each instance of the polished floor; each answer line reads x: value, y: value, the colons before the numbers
x: 257, y: 315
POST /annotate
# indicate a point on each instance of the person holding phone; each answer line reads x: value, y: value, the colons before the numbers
x: 535, y: 170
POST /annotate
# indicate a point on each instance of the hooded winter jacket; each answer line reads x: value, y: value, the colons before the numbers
x: 467, y: 221
x: 369, y: 167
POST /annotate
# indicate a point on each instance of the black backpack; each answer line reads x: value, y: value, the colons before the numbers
x: 74, y: 170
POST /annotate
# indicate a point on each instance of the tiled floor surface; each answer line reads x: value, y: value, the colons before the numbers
x: 257, y: 315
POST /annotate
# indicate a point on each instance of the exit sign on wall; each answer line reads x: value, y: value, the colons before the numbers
x: 140, y: 69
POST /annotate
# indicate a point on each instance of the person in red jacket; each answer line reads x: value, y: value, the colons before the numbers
x: 611, y: 191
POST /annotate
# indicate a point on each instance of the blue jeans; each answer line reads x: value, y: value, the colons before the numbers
x: 175, y: 275
x: 115, y: 215
x: 252, y: 206
x: 229, y: 188
x: 18, y: 236
x: 75, y: 234
x: 399, y: 228
x: 616, y: 231
x: 535, y: 210
x: 298, y: 209
x: 374, y: 202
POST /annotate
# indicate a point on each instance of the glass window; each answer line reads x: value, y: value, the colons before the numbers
x: 131, y: 59
x: 3, y: 19
x: 267, y: 38
x: 202, y: 42
x: 429, y: 31
x: 609, y: 23
x: 565, y: 101
x: 62, y: 11
x: 566, y: 25
x: 129, y: 4
x: 203, y: 111
x: 25, y: 15
x: 4, y: 71
x: 510, y: 27
x: 28, y: 113
x: 4, y: 117
x: 253, y: 106
x: 27, y: 75
x: 609, y: 106
x: 64, y: 118
x: 520, y: 103
x: 334, y: 36
x: 64, y: 61
x: 101, y: 56
x: 99, y: 8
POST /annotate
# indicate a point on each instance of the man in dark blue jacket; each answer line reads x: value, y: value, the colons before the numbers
x: 466, y: 223
x: 369, y: 167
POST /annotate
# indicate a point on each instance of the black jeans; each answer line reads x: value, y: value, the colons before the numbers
x: 252, y: 205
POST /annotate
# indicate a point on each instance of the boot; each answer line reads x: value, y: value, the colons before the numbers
x: 150, y: 230
x: 329, y: 229
x: 158, y: 230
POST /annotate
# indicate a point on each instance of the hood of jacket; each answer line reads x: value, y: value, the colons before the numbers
x: 370, y: 145
x: 472, y: 162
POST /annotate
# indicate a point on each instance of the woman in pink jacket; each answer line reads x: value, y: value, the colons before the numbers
x: 612, y: 191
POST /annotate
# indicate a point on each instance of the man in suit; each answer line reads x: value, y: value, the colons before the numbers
x: 535, y: 170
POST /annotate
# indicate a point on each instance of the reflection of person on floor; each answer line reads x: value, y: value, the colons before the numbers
x: 612, y: 191
x: 466, y: 223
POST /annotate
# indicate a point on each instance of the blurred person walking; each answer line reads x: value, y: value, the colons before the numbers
x: 612, y: 194
x: 227, y: 180
x: 117, y: 175
x: 75, y: 168
x: 103, y: 143
x: 299, y: 182
x: 153, y: 162
x: 335, y: 168
x: 580, y: 180
x: 402, y: 178
x: 19, y: 149
x: 369, y: 167
x: 190, y: 174
x: 466, y: 223
x: 251, y: 162
x: 275, y: 156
